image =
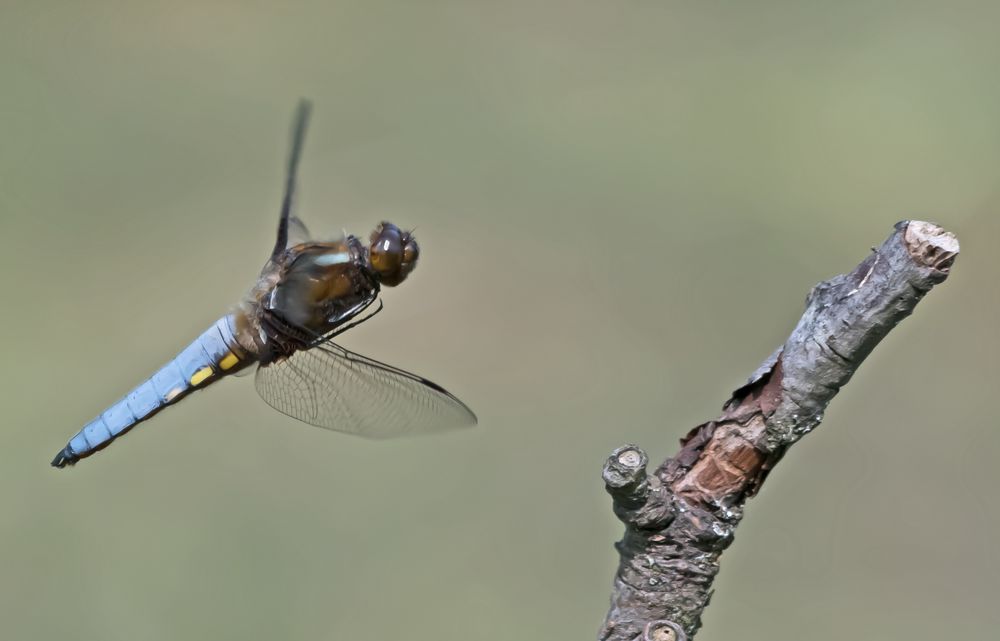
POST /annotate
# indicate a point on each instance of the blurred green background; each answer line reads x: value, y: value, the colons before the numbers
x: 621, y: 206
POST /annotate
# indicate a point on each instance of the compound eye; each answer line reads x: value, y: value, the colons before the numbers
x: 411, y: 252
x: 387, y: 250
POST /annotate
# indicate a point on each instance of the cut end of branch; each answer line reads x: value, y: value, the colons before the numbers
x: 625, y: 475
x: 931, y: 245
x: 625, y: 467
x: 663, y: 630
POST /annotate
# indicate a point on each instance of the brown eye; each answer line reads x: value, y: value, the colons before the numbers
x: 392, y: 254
x: 411, y: 252
x: 386, y: 250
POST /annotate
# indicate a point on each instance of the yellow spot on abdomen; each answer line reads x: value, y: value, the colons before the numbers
x: 200, y: 376
x: 228, y: 361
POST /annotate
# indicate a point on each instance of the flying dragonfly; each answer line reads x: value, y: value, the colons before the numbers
x: 308, y: 292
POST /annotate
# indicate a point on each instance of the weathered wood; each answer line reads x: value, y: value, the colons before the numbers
x: 680, y: 518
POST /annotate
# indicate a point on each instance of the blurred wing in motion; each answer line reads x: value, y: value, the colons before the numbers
x: 297, y: 231
x: 334, y: 388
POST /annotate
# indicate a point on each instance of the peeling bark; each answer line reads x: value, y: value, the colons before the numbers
x: 680, y: 518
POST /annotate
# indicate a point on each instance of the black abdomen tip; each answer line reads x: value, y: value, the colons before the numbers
x: 64, y: 458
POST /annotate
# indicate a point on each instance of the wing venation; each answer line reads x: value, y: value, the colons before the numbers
x: 334, y: 388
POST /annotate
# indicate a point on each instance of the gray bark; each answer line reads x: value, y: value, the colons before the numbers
x: 680, y: 518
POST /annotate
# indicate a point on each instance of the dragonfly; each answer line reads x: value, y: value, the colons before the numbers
x: 308, y: 293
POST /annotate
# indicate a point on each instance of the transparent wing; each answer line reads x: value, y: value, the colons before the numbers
x: 297, y: 231
x: 334, y: 388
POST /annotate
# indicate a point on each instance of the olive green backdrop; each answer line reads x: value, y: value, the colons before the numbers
x: 621, y: 206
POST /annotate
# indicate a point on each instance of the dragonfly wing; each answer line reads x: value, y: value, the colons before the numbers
x: 297, y: 231
x: 337, y: 389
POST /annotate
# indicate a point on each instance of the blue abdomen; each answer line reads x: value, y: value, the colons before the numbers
x: 211, y: 356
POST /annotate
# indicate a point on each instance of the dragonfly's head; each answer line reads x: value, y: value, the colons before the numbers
x: 393, y: 253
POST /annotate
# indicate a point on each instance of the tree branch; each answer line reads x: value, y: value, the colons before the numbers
x: 680, y: 518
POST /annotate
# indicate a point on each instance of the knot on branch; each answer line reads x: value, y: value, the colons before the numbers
x: 639, y: 499
x: 663, y: 630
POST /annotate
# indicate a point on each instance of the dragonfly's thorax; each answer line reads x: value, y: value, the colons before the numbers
x: 312, y: 289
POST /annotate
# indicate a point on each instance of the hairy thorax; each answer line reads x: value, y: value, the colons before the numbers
x: 306, y: 293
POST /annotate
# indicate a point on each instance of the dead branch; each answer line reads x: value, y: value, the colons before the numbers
x: 680, y: 518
